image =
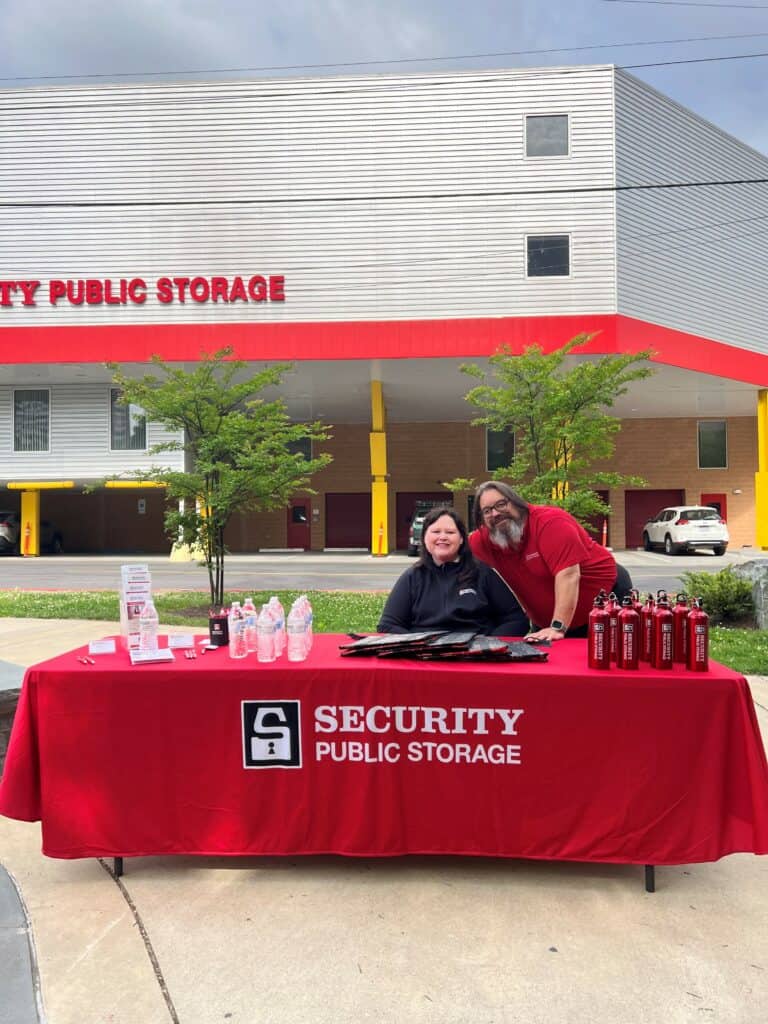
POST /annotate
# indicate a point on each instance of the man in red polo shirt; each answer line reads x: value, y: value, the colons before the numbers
x: 548, y: 559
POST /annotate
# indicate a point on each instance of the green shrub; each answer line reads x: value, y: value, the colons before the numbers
x: 726, y: 596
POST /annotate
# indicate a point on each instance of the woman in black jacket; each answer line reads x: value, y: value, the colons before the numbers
x: 448, y: 589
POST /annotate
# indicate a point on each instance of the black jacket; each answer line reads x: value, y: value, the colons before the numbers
x: 430, y: 597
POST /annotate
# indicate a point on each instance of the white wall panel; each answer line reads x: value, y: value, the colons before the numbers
x: 79, y: 439
x: 692, y: 258
x: 371, y: 194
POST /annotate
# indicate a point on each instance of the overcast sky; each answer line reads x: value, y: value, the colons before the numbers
x: 43, y: 39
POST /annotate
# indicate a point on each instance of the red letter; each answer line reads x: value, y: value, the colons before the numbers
x: 219, y: 289
x: 257, y: 288
x: 56, y: 290
x: 137, y: 290
x: 109, y: 298
x: 94, y: 292
x: 29, y: 288
x: 238, y: 290
x: 199, y: 289
x: 6, y: 287
x: 75, y: 299
x: 277, y: 288
x: 164, y: 291
x: 181, y: 287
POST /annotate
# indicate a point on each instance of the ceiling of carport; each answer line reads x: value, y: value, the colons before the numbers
x: 428, y: 390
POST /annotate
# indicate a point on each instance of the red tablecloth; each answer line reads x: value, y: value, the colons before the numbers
x: 521, y: 760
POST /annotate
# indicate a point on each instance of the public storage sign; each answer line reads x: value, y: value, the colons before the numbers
x: 135, y: 290
x: 379, y: 734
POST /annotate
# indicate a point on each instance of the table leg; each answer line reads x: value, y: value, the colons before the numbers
x: 118, y: 866
x: 650, y: 878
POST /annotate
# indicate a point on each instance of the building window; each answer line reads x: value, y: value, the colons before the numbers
x: 127, y: 425
x: 31, y: 415
x: 546, y: 135
x: 301, y: 447
x: 548, y: 256
x: 499, y: 449
x: 713, y: 444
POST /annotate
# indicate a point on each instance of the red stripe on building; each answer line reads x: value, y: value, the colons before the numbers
x: 388, y: 339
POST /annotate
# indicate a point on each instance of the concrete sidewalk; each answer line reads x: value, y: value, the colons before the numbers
x: 439, y: 940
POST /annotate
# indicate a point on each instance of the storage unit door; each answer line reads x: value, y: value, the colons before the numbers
x: 348, y: 520
x: 640, y: 506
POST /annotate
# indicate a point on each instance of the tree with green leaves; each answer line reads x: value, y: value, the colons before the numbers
x: 237, y: 448
x: 559, y: 417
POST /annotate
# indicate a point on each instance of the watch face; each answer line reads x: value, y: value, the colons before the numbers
x: 558, y: 625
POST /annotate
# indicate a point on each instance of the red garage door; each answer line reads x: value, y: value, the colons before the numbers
x: 348, y: 520
x: 640, y: 506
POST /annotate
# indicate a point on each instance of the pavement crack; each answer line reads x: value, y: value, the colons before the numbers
x: 145, y: 939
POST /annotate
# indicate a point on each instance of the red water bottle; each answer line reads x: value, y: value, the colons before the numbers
x: 629, y: 635
x: 663, y: 625
x: 698, y: 638
x: 612, y: 607
x: 680, y: 631
x: 646, y: 629
x: 637, y: 604
x: 598, y: 636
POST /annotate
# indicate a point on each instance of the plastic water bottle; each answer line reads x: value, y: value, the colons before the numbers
x: 297, y: 633
x: 306, y: 607
x: 237, y: 640
x: 251, y: 617
x: 279, y: 615
x: 149, y: 626
x: 265, y: 631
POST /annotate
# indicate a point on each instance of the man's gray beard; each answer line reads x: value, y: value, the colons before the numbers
x: 507, y: 533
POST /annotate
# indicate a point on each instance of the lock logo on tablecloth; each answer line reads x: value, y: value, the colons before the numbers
x: 271, y: 734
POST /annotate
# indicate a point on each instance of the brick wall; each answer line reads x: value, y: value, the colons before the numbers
x: 421, y: 455
x: 665, y: 453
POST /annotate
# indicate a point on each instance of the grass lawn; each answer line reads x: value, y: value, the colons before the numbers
x: 745, y: 650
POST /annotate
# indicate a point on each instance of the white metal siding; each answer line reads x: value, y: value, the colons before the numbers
x: 693, y: 259
x: 366, y: 193
x: 79, y: 439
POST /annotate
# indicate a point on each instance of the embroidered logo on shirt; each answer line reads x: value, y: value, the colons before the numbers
x: 532, y: 554
x: 467, y: 590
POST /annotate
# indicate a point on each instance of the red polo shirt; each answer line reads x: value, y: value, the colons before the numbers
x: 552, y: 540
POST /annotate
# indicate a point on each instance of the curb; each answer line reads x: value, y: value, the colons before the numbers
x: 20, y: 993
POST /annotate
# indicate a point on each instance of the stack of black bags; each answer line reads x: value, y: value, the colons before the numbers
x: 442, y: 645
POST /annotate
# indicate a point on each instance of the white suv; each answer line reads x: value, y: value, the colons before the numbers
x: 685, y: 528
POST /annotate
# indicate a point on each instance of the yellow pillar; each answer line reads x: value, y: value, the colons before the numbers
x: 761, y: 476
x: 379, y: 484
x: 181, y: 552
x: 29, y: 541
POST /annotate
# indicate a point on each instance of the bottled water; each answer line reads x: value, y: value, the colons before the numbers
x: 237, y: 640
x: 251, y: 616
x: 297, y: 633
x: 306, y: 608
x: 279, y: 617
x: 149, y: 626
x: 265, y: 627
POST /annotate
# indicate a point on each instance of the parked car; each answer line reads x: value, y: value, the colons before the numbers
x: 685, y: 528
x: 417, y: 525
x: 10, y: 528
x: 51, y: 539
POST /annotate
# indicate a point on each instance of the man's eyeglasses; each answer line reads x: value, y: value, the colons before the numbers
x: 499, y: 506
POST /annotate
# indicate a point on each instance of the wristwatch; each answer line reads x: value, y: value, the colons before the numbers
x: 558, y: 625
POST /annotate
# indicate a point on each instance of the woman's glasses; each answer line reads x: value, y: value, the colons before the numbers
x: 499, y: 506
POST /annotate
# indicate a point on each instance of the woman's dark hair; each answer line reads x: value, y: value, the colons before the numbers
x: 505, y: 491
x: 467, y: 564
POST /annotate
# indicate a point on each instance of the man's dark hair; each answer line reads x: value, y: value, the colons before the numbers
x: 506, y: 492
x: 467, y: 564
